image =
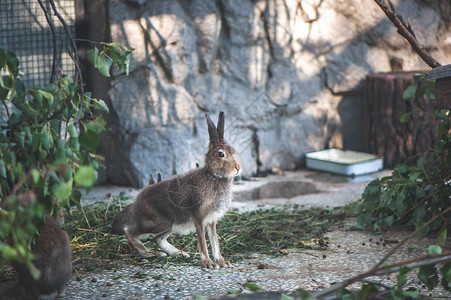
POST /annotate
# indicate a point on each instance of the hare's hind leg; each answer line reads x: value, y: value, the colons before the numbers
x: 138, y: 245
x: 161, y: 240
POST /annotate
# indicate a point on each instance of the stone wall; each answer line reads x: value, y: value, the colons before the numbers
x: 288, y: 75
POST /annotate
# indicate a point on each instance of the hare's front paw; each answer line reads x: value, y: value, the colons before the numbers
x: 209, y: 264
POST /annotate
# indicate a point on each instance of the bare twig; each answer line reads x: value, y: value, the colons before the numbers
x: 52, y: 28
x: 431, y: 260
x: 73, y: 54
x: 426, y: 260
x: 392, y: 250
x: 406, y: 31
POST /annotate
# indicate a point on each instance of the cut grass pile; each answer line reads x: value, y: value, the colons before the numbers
x: 240, y: 234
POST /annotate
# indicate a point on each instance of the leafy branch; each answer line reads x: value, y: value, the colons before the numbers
x: 47, y: 145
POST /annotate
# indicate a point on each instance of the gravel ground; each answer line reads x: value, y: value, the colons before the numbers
x: 349, y: 253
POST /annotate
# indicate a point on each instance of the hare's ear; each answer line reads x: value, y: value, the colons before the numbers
x: 221, y: 126
x: 151, y: 180
x: 159, y: 178
x: 212, y: 132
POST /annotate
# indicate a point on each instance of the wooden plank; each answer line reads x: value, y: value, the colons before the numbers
x: 385, y: 135
x: 440, y: 72
x: 443, y: 93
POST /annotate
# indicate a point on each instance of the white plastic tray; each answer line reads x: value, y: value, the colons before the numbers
x: 344, y: 162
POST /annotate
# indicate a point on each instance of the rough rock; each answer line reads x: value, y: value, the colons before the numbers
x: 288, y: 75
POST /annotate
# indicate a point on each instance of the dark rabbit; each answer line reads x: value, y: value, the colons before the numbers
x: 53, y: 260
x: 185, y: 202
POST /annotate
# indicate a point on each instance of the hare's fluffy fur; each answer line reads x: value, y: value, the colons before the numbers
x: 53, y: 260
x: 185, y: 202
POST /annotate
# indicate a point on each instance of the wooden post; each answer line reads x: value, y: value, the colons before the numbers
x: 442, y: 76
x: 385, y: 135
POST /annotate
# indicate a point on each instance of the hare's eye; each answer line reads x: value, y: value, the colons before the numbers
x: 221, y: 153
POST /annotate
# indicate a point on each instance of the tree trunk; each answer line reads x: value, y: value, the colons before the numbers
x: 385, y: 134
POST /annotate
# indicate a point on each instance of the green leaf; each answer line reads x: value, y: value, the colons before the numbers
x: 286, y: 297
x: 234, y: 291
x: 101, y: 106
x: 419, y: 222
x: 405, y: 117
x: 446, y: 276
x: 446, y: 271
x: 388, y: 221
x: 428, y: 275
x: 12, y: 63
x: 115, y: 52
x: 403, y: 169
x: 373, y: 187
x: 89, y: 140
x: 5, y: 86
x: 9, y: 253
x: 124, y: 62
x: 62, y: 191
x: 35, y: 141
x: 414, y: 176
x: 97, y: 125
x: 104, y: 63
x: 419, y: 191
x: 72, y: 130
x: 36, y: 94
x: 2, y: 168
x: 412, y: 248
x: 45, y: 140
x: 410, y: 92
x: 2, y: 58
x: 252, y: 286
x: 75, y: 198
x: 367, y: 290
x: 93, y: 55
x: 442, y: 236
x: 16, y: 118
x: 429, y: 91
x: 411, y: 294
x: 47, y: 96
x: 435, y: 249
x: 421, y: 162
x: 85, y: 176
x: 20, y: 87
x: 20, y: 136
x: 11, y: 158
x: 27, y: 131
x: 75, y: 145
x: 402, y: 277
x: 35, y: 176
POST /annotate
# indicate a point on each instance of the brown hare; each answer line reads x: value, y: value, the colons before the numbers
x: 185, y: 202
x: 53, y: 260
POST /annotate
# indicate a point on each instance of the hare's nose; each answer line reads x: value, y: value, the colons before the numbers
x: 238, y: 168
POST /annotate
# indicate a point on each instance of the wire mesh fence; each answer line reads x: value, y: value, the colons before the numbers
x: 25, y: 31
